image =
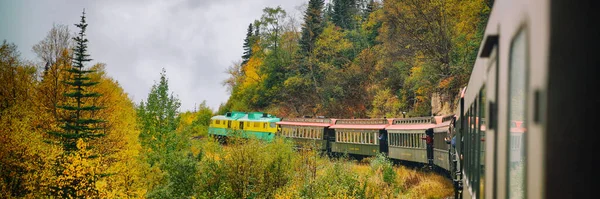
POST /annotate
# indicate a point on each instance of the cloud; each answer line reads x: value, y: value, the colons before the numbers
x: 194, y: 40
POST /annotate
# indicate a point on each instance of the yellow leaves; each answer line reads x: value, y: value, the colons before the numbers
x: 79, y: 173
x: 331, y: 42
x: 466, y: 15
x: 81, y: 145
x: 251, y: 71
x: 385, y: 104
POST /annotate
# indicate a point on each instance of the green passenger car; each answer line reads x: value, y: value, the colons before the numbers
x: 365, y: 137
x: 307, y: 132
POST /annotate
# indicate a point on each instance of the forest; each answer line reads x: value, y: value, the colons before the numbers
x: 69, y: 130
x: 358, y: 58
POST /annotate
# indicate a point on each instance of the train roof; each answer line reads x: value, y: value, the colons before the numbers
x: 316, y: 122
x: 234, y: 115
x: 369, y: 124
x: 242, y: 116
x: 413, y: 123
x: 259, y: 117
x: 417, y: 123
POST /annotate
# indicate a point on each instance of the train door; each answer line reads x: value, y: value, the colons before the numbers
x: 241, y: 125
x: 383, y: 143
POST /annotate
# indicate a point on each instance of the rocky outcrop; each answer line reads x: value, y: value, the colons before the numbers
x: 443, y: 104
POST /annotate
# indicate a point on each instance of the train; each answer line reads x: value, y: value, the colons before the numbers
x: 522, y: 126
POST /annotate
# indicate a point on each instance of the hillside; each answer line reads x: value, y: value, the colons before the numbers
x: 357, y: 59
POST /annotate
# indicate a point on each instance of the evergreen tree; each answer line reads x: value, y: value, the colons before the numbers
x: 312, y: 26
x: 80, y: 124
x: 158, y: 119
x: 371, y: 31
x: 343, y: 12
x: 328, y: 12
x: 248, y: 42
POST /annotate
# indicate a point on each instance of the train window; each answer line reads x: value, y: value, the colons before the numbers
x: 402, y: 140
x: 348, y: 136
x: 481, y: 129
x: 305, y: 133
x: 361, y: 137
x: 517, y: 112
x: 317, y: 132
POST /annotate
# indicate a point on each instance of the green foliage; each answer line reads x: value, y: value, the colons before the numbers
x: 169, y: 147
x: 181, y: 180
x: 204, y: 114
x: 158, y: 120
x: 381, y: 164
x: 248, y: 168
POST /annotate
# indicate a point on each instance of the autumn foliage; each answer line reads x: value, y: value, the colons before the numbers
x: 349, y: 55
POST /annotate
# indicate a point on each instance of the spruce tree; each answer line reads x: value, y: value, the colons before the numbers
x: 248, y: 42
x: 312, y: 27
x: 343, y: 13
x: 79, y: 123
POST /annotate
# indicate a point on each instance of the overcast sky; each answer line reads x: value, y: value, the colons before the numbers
x: 194, y: 40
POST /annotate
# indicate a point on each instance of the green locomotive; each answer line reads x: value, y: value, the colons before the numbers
x: 255, y: 124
